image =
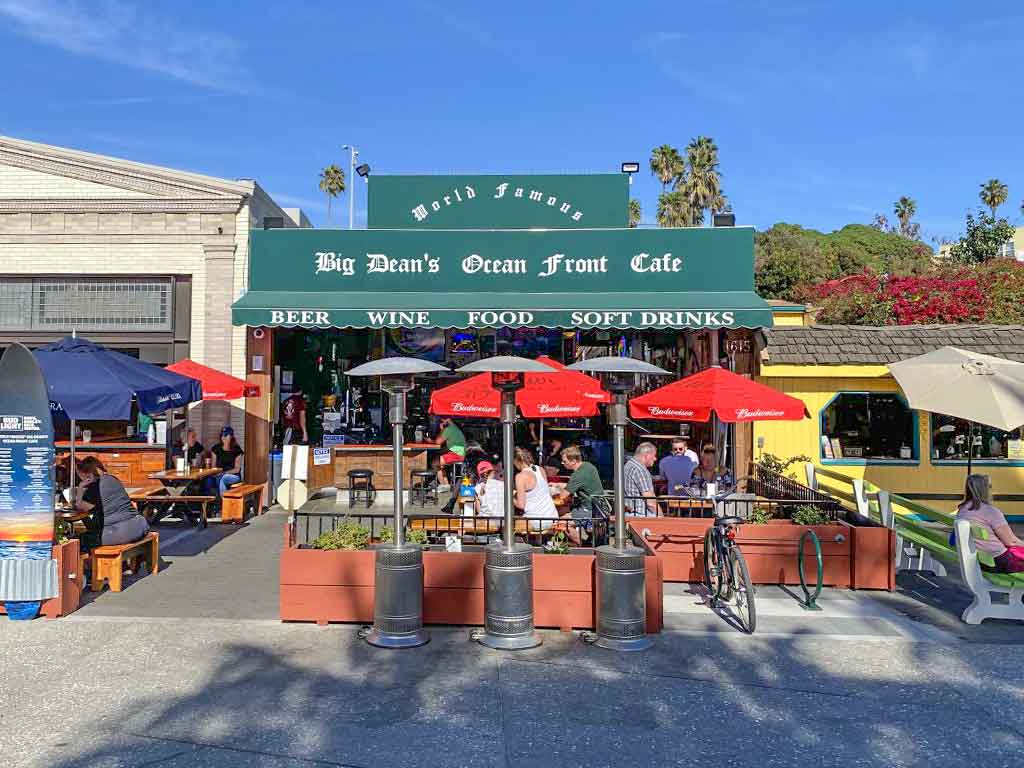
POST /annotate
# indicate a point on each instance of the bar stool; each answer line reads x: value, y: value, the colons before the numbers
x: 360, y: 486
x: 422, y: 488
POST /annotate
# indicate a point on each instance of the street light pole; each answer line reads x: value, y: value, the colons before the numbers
x: 350, y: 184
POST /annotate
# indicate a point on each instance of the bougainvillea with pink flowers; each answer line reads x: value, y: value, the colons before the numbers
x: 992, y: 292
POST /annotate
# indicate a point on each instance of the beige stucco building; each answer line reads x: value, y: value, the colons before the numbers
x: 141, y: 258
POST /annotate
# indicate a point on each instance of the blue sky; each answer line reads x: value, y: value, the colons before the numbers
x: 824, y: 112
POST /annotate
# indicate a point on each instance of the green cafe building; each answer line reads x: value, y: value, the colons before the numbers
x: 455, y: 268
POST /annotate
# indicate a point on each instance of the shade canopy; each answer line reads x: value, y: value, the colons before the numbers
x: 216, y: 384
x: 732, y: 397
x: 554, y: 394
x: 88, y: 381
x: 968, y: 385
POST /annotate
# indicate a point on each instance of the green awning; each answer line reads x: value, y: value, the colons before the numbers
x: 725, y: 309
x: 701, y: 277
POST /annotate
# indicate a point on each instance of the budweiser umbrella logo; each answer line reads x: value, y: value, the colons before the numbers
x: 747, y: 413
x: 472, y: 408
x: 547, y: 408
x: 656, y: 411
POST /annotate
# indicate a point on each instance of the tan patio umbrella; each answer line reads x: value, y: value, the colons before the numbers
x: 979, y: 388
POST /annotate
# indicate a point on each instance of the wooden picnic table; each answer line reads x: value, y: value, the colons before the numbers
x: 177, y: 483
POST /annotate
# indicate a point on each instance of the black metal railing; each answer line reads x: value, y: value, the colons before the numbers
x: 577, y: 532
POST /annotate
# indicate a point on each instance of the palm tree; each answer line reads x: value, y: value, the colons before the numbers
x: 905, y: 208
x: 634, y: 212
x: 667, y: 165
x: 674, y: 209
x: 332, y: 184
x: 703, y: 184
x: 993, y: 194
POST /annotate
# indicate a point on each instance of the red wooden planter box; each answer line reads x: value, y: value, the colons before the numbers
x: 69, y: 581
x: 864, y: 558
x: 325, y: 586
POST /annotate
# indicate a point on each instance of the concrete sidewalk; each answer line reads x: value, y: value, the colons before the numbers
x: 194, y: 692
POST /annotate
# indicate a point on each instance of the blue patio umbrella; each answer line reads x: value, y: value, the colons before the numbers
x: 87, y: 381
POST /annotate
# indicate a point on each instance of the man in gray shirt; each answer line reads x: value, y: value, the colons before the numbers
x: 638, y: 485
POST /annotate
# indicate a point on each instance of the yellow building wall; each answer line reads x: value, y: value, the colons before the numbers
x: 816, y: 386
x: 788, y: 318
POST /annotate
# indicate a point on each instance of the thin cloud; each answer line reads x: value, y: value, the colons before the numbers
x: 459, y: 22
x: 113, y: 101
x: 129, y: 34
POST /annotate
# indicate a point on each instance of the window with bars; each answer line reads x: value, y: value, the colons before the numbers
x: 86, y: 304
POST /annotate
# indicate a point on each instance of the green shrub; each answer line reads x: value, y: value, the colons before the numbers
x: 772, y: 463
x: 807, y: 514
x: 412, y: 536
x: 760, y: 516
x: 348, y: 535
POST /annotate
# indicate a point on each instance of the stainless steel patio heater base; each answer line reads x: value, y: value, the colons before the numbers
x: 508, y: 598
x: 398, y: 598
x: 621, y: 600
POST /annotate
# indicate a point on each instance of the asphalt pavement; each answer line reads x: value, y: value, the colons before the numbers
x: 154, y: 676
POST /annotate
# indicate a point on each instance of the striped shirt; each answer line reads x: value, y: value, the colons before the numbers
x: 636, y: 480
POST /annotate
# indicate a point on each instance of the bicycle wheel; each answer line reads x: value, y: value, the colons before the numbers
x: 712, y: 564
x: 743, y: 591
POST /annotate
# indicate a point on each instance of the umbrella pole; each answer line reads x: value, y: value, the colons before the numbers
x: 540, y: 450
x: 74, y: 467
x: 169, y: 417
x: 970, y: 446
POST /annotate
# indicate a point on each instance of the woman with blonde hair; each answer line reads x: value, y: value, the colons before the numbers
x: 533, y: 495
x: 1002, y: 543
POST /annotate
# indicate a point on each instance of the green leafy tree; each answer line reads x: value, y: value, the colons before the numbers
x: 667, y: 165
x: 787, y: 256
x: 905, y: 208
x: 983, y: 239
x: 332, y: 184
x: 993, y: 194
x: 673, y: 209
x: 634, y: 212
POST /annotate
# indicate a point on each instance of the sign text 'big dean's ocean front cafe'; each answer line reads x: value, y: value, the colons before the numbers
x: 455, y: 268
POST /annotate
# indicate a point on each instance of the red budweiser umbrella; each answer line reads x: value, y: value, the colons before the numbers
x: 731, y: 396
x: 565, y: 394
x: 216, y: 385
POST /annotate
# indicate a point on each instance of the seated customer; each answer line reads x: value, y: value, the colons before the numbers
x: 1006, y: 549
x: 227, y: 456
x: 638, y: 485
x: 677, y: 468
x: 113, y: 519
x: 191, y: 449
x: 585, y: 489
x: 490, y: 491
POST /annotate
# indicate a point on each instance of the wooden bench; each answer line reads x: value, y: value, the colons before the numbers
x: 144, y: 501
x: 240, y: 500
x: 108, y: 561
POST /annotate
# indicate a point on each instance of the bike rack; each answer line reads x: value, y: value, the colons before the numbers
x: 810, y: 601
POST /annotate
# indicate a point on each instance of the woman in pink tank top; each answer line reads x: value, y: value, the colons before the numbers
x: 1002, y: 543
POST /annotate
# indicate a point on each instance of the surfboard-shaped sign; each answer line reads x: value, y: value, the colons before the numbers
x: 27, y: 568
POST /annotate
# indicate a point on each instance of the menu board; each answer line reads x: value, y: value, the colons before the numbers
x: 26, y: 474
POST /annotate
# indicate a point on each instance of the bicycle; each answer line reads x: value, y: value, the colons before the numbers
x: 725, y: 571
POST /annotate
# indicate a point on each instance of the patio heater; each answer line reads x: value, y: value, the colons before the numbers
x: 508, y: 567
x: 398, y: 590
x: 621, y: 582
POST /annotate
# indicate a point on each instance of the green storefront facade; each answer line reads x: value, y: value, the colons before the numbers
x: 501, y: 254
